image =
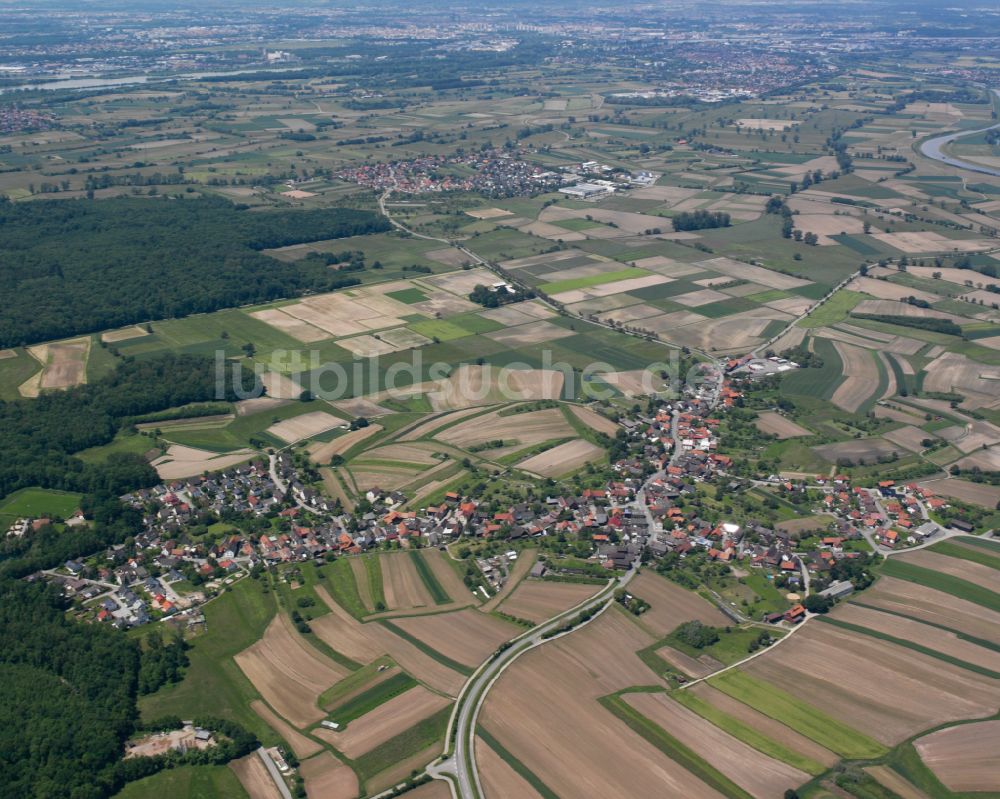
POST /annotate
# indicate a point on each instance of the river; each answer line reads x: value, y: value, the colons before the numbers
x: 934, y: 148
x: 82, y: 84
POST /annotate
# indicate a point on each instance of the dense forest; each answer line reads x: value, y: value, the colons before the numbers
x: 77, y: 266
x: 38, y: 437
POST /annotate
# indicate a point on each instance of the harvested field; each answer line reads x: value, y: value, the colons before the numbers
x: 892, y: 780
x: 982, y: 494
x: 466, y: 636
x: 927, y: 242
x: 188, y: 461
x: 975, y: 573
x: 64, y: 364
x: 483, y: 385
x: 821, y: 664
x: 291, y: 325
x: 884, y: 290
x: 755, y: 274
x: 908, y: 437
x: 322, y: 452
x: 607, y: 289
x: 384, y: 722
x: 953, y: 372
x: 867, y: 449
x: 964, y: 758
x: 538, y: 600
x: 671, y: 605
x: 401, y: 582
x: 767, y: 124
x: 760, y: 775
x: 500, y: 781
x: 6, y: 354
x: 634, y: 383
x: 280, y: 387
x: 360, y: 406
x: 254, y: 777
x: 248, y: 407
x: 780, y: 426
x: 594, y: 420
x: 862, y: 377
x: 694, y: 299
x: 487, y: 213
x: 923, y: 634
x: 447, y: 576
x: 424, y: 429
x: 527, y: 429
x: 544, y: 711
x: 328, y: 778
x: 127, y: 334
x: 365, y: 642
x: 697, y: 668
x: 772, y: 728
x: 790, y: 339
x: 462, y: 282
x: 289, y: 673
x: 343, y: 633
x: 827, y: 225
x: 435, y: 789
x: 562, y: 459
x: 302, y: 745
x: 361, y: 578
x: 935, y: 607
x: 532, y: 333
x: 307, y: 425
x: 740, y: 331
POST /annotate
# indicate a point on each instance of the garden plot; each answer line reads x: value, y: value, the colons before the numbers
x: 290, y: 325
x: 820, y: 665
x: 527, y: 429
x: 867, y: 450
x: 550, y: 695
x: 538, y: 600
x: 288, y: 673
x: 328, y: 778
x: 912, y: 242
x: 755, y: 274
x: 307, y: 425
x: 780, y: 426
x: 964, y: 758
x: 182, y: 461
x: 861, y: 374
x: 562, y: 459
x: 466, y: 636
x: 64, y: 364
x: 384, y: 722
x: 760, y: 775
x: 116, y: 336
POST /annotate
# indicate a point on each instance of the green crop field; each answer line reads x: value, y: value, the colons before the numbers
x: 746, y: 733
x: 439, y: 329
x: 963, y: 589
x: 191, y: 782
x: 812, y: 382
x: 593, y: 280
x: 798, y: 715
x: 39, y: 503
x: 836, y: 309
x: 420, y: 736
